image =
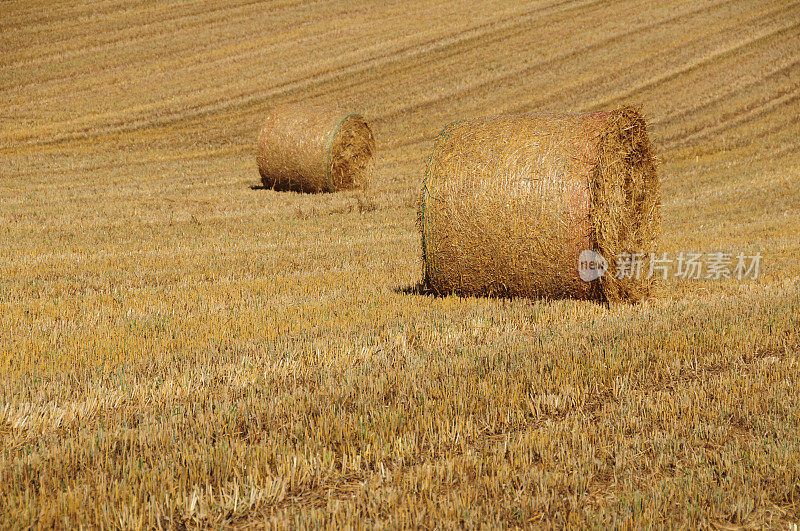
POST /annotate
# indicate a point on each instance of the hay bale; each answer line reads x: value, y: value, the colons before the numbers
x: 312, y: 149
x: 510, y: 202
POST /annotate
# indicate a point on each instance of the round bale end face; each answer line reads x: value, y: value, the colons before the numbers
x: 626, y: 208
x: 351, y: 163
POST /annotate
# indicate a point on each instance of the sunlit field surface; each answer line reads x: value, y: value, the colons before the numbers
x: 179, y: 347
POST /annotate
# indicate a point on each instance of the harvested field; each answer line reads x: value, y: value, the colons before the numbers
x: 179, y: 346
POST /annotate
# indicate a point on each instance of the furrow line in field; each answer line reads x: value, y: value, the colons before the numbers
x: 222, y: 22
x: 19, y: 12
x: 34, y: 54
x: 252, y: 49
x: 466, y: 38
x: 781, y: 71
x: 549, y: 63
x: 177, y: 156
x: 329, y: 72
x: 781, y: 133
x: 558, y: 94
x: 694, y: 65
x: 739, y: 117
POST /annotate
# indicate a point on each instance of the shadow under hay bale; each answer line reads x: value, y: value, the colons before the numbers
x: 509, y: 203
x: 313, y: 149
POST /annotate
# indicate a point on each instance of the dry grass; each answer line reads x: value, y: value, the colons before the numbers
x: 176, y: 348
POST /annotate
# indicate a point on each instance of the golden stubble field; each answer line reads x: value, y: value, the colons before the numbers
x: 180, y: 349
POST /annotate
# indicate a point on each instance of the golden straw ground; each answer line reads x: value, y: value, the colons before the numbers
x: 178, y: 350
x: 510, y: 202
x: 313, y: 149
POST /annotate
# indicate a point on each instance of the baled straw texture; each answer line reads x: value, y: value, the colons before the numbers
x: 312, y: 149
x: 510, y: 202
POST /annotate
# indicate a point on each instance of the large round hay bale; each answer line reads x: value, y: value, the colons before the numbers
x: 313, y: 149
x: 510, y: 203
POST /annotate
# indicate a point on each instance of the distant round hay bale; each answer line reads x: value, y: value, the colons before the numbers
x: 509, y: 203
x: 313, y: 149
